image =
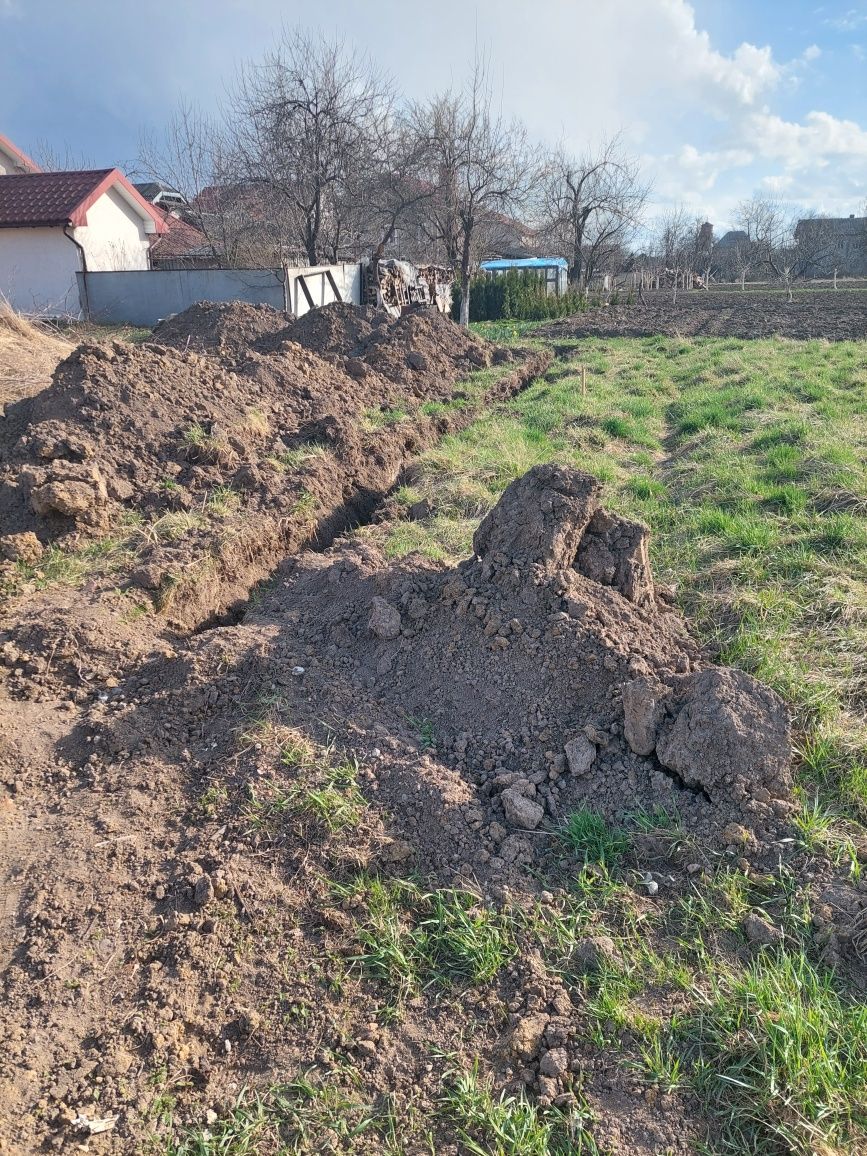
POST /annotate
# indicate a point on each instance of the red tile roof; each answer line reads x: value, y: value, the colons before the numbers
x: 180, y: 239
x: 36, y: 199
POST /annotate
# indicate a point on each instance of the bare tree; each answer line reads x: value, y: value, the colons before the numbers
x: 304, y: 120
x: 591, y: 205
x: 479, y: 164
x: 192, y: 156
x: 675, y: 244
x: 394, y: 185
x: 59, y: 160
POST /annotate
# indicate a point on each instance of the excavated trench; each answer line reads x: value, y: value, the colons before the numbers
x: 367, y: 470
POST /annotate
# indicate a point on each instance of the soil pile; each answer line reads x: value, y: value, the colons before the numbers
x: 182, y: 859
x: 544, y: 672
x: 549, y: 674
x: 226, y: 329
x: 421, y: 353
x: 338, y: 328
x: 235, y: 460
x: 811, y: 315
x: 29, y: 353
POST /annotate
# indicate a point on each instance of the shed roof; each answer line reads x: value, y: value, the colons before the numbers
x: 525, y: 263
x: 31, y: 200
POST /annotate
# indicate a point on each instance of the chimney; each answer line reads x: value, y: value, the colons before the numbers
x: 851, y: 216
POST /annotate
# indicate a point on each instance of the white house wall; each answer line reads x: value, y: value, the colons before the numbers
x: 37, y: 271
x: 114, y: 237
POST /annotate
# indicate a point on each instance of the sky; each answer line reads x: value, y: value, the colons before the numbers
x: 720, y: 99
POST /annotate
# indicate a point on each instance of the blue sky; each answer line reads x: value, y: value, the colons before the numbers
x: 720, y: 98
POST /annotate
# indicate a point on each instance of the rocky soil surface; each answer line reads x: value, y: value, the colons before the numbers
x: 200, y: 826
x: 809, y: 316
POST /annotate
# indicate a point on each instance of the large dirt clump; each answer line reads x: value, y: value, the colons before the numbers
x: 226, y: 329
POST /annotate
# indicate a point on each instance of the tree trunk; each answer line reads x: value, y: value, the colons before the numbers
x: 465, y: 280
x: 465, y: 299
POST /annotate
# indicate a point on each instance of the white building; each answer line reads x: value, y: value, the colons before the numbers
x: 13, y: 161
x: 55, y: 225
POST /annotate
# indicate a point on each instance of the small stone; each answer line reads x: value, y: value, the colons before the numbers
x: 555, y: 1064
x: 760, y: 931
x: 497, y: 832
x: 203, y: 891
x: 736, y: 835
x: 548, y: 1090
x: 521, y: 811
x: 384, y: 619
x: 580, y: 754
x: 24, y: 547
x: 643, y: 712
x: 595, y: 952
x: 527, y: 1036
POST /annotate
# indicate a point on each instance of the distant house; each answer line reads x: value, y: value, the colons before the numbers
x: 163, y: 195
x: 835, y: 243
x: 731, y: 239
x: 181, y: 245
x: 13, y: 161
x: 55, y: 225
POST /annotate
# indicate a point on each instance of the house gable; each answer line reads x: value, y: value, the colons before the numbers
x: 13, y: 161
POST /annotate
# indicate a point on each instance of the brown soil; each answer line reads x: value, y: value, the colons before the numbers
x: 151, y: 904
x: 225, y: 329
x: 184, y: 907
x: 227, y: 470
x: 811, y: 315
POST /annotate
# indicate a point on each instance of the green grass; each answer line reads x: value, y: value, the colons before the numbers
x: 305, y: 1115
x: 587, y: 836
x: 502, y: 1125
x: 749, y: 462
x: 325, y: 792
x: 411, y: 939
x: 780, y: 1058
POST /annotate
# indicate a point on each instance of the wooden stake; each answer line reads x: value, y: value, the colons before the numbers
x: 583, y: 380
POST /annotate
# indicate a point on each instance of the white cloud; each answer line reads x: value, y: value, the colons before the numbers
x: 848, y: 21
x: 812, y: 52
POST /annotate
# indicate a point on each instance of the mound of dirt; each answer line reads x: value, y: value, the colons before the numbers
x: 29, y: 354
x: 420, y: 353
x: 223, y: 328
x: 540, y: 686
x: 228, y: 467
x: 178, y: 860
x: 338, y: 328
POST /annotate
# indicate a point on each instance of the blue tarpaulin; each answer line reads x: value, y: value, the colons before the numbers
x: 525, y: 263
